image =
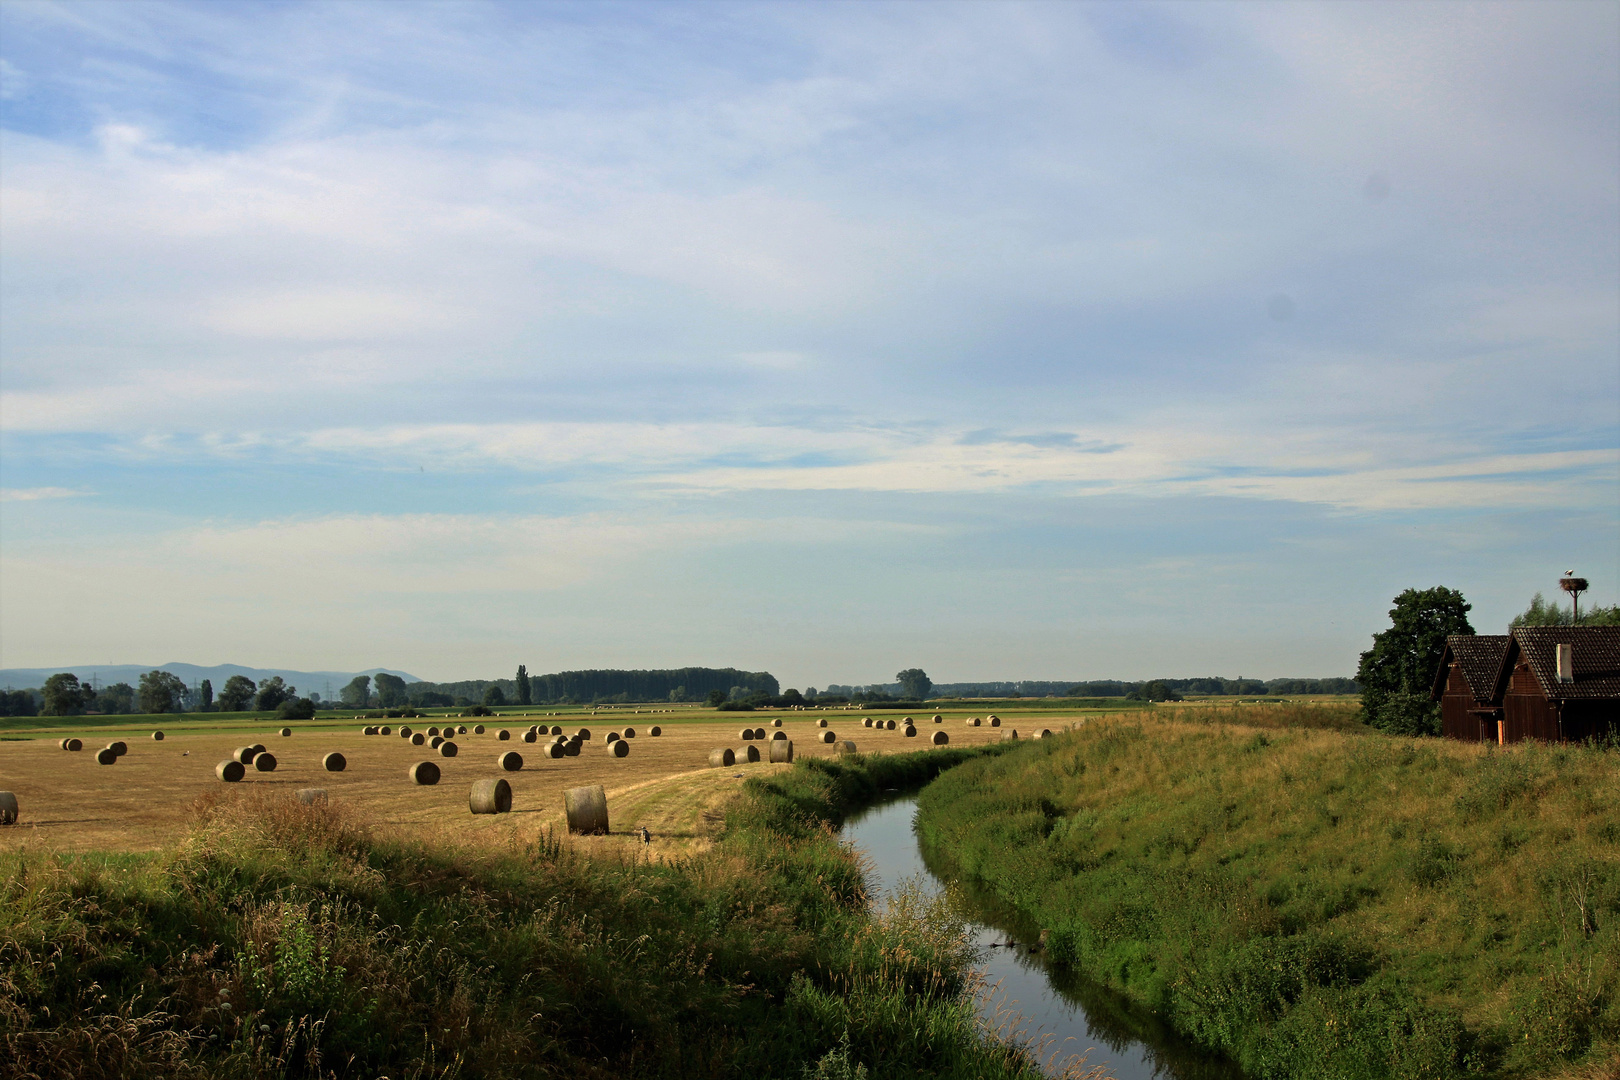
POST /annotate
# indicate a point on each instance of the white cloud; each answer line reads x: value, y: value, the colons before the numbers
x: 35, y: 494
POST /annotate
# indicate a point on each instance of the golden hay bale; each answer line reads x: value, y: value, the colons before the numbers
x: 571, y: 748
x: 461, y: 729
x: 425, y: 773
x: 778, y: 736
x: 888, y: 725
x: 370, y: 729
x: 230, y: 770
x: 265, y: 762
x: 448, y: 749
x: 8, y: 808
x: 866, y: 721
x: 511, y: 761
x: 759, y: 733
x: 418, y: 739
x: 910, y: 732
x: 629, y: 733
x: 777, y: 722
x: 73, y: 744
x: 619, y: 748
x: 157, y: 736
x: 587, y: 809
x: 747, y: 753
x: 722, y: 758
x: 557, y: 750
x: 435, y: 742
x: 995, y: 721
x: 502, y: 735
x: 121, y: 748
x: 827, y: 737
x: 334, y: 762
x: 612, y: 737
x: 1010, y: 733
x: 404, y: 731
x: 940, y: 738
x: 530, y: 736
x: 105, y: 756
x: 1046, y: 733
x: 908, y: 720
x: 781, y: 751
x: 583, y: 734
x: 822, y: 722
x: 385, y: 730
x: 745, y: 734
x: 478, y: 729
x: 973, y: 721
x: 938, y: 719
x: 433, y: 732
x: 655, y: 731
x: 244, y: 754
x: 844, y: 747
x: 490, y: 797
x: 286, y: 732
x: 311, y: 796
x: 556, y: 729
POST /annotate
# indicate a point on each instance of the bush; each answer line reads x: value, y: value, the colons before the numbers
x: 296, y: 709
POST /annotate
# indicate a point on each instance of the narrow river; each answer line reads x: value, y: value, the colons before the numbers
x: 1071, y: 1015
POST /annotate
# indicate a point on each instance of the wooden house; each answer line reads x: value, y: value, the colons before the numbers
x: 1559, y: 683
x: 1465, y: 686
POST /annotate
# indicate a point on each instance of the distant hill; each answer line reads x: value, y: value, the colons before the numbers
x: 326, y: 683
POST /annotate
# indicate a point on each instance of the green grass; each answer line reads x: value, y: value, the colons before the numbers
x: 285, y: 940
x: 1315, y: 902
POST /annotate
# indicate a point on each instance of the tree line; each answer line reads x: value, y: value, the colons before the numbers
x: 159, y: 692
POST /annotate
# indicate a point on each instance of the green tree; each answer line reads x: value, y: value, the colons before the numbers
x: 237, y: 694
x: 1396, y: 673
x: 1156, y: 690
x: 206, y: 696
x: 117, y: 698
x: 914, y: 683
x: 494, y: 696
x: 272, y: 692
x: 296, y: 708
x: 358, y: 692
x: 522, y: 687
x: 716, y: 698
x: 65, y: 695
x: 161, y: 692
x: 390, y: 690
x: 1542, y: 613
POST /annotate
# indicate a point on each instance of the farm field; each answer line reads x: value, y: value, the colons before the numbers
x: 144, y: 802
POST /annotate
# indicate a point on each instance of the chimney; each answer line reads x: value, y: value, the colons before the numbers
x: 1566, y: 663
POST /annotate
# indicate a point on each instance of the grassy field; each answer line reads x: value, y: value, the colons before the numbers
x: 1313, y: 899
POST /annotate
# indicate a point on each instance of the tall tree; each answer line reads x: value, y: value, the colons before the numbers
x: 1397, y: 672
x: 914, y: 683
x: 237, y: 694
x: 161, y: 692
x: 494, y: 696
x: 272, y: 692
x: 390, y: 690
x: 358, y: 692
x: 523, y: 685
x: 65, y: 695
x: 205, y: 695
x: 117, y: 698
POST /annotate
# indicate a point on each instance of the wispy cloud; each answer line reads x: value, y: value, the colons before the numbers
x: 35, y: 494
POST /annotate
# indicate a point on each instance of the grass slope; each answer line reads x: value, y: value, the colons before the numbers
x: 1316, y: 902
x: 289, y: 940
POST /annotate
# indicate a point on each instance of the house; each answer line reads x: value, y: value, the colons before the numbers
x: 1465, y: 686
x: 1558, y: 683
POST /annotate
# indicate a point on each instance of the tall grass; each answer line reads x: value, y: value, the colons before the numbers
x: 1315, y: 902
x: 287, y: 940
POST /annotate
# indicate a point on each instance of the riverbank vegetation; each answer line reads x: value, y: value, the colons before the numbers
x: 291, y: 940
x: 1315, y: 901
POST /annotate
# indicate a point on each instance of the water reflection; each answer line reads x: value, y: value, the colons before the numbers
x: 1071, y: 1014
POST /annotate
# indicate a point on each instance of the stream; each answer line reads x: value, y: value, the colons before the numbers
x: 1062, y: 1013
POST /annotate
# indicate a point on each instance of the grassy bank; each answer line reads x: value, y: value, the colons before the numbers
x: 287, y: 940
x: 1316, y: 902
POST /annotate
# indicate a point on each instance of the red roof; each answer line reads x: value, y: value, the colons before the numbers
x: 1595, y: 650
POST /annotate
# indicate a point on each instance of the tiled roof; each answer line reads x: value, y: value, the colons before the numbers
x: 1595, y: 649
x: 1480, y: 656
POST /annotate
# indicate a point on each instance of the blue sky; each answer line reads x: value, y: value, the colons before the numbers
x: 1004, y: 340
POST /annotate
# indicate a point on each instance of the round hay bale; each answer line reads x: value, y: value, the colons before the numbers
x: 404, y: 731
x: 157, y: 736
x: 612, y: 736
x: 478, y: 729
x: 230, y: 770
x: 587, y: 809
x: 75, y: 744
x: 244, y: 754
x: 827, y: 737
x: 530, y: 736
x: 940, y: 738
x: 777, y: 722
x: 490, y: 797
x: 511, y: 761
x: 571, y: 748
x: 258, y: 748
x: 418, y: 739
x: 619, y: 748
x: 583, y: 734
x: 745, y: 734
x: 433, y: 732
x: 759, y: 733
x: 334, y: 762
x: 8, y: 808
x: 866, y: 721
x: 536, y: 729
x: 629, y: 733
x: 778, y: 736
x: 425, y: 773
x: 844, y: 747
x: 973, y: 721
x: 369, y: 730
x: 747, y: 753
x: 121, y: 748
x: 910, y: 732
x: 311, y: 796
x: 822, y: 722
x: 265, y: 762
x: 286, y: 732
x: 385, y: 730
x: 908, y: 720
x: 435, y: 742
x: 448, y: 749
x: 1010, y: 733
x: 655, y: 731
x: 781, y: 751
x: 556, y: 729
x: 62, y: 743
x: 502, y: 735
x: 938, y: 719
x: 886, y: 725
x: 995, y: 721
x: 723, y: 758
x: 557, y: 750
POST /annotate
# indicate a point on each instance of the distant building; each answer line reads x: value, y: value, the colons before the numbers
x: 1465, y: 686
x: 1550, y: 683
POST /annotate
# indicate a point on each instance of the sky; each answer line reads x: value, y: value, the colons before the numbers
x: 1002, y: 340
